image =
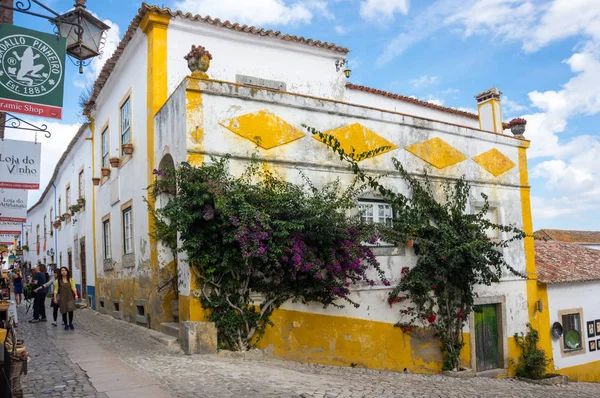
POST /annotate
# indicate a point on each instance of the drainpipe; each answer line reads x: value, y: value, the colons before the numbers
x: 55, y: 234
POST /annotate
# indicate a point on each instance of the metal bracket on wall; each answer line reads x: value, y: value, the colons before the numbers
x: 13, y: 122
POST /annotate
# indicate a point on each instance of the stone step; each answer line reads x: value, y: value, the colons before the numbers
x: 162, y: 338
x: 171, y: 328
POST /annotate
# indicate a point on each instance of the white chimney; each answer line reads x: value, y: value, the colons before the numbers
x: 489, y: 110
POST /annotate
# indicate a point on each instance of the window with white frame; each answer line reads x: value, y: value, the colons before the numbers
x: 106, y: 237
x: 127, y: 231
x: 105, y: 148
x: 491, y: 216
x: 375, y: 212
x: 125, y: 124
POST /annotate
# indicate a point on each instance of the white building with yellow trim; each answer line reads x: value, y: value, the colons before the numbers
x: 57, y: 234
x: 262, y: 86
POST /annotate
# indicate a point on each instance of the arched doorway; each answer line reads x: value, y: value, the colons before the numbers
x: 167, y: 257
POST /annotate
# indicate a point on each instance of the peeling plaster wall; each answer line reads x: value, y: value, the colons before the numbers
x: 565, y: 296
x: 305, y: 69
x: 297, y: 325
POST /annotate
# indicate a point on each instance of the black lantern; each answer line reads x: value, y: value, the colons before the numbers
x: 83, y: 31
x: 342, y: 63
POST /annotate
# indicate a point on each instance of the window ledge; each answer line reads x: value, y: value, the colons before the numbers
x: 128, y: 260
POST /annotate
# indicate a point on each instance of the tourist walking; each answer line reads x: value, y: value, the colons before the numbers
x: 17, y: 280
x: 39, y: 298
x: 65, y: 294
x: 53, y: 304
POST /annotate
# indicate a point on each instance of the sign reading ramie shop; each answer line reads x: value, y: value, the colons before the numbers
x: 32, y: 72
x: 20, y: 164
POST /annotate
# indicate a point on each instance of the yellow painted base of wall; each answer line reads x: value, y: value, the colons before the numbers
x: 128, y: 290
x: 190, y: 309
x: 589, y: 372
x: 341, y: 341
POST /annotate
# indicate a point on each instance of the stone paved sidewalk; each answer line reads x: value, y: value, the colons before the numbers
x: 217, y: 376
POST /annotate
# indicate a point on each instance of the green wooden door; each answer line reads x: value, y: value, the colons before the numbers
x: 486, y: 337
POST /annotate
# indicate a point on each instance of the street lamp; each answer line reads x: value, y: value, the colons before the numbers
x: 83, y: 31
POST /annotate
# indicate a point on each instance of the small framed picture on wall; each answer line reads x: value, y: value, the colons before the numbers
x: 592, y: 345
x: 597, y: 327
x: 591, y: 328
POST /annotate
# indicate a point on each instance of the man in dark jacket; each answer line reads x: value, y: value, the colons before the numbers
x: 39, y: 299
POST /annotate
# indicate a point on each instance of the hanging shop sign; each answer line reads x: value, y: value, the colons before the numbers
x: 20, y: 164
x: 7, y: 240
x: 32, y: 72
x: 13, y: 205
x: 13, y: 228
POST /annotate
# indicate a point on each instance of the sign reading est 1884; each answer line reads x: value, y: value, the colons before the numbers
x: 32, y: 72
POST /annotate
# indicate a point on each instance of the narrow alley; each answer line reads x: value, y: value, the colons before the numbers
x: 104, y: 357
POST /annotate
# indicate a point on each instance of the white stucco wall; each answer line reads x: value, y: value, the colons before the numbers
x: 68, y: 237
x: 129, y: 181
x: 305, y: 69
x: 222, y: 101
x: 395, y: 105
x: 585, y: 295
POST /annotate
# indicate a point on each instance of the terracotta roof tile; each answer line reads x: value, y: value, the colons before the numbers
x: 109, y: 65
x: 568, y: 235
x: 411, y: 100
x: 560, y: 262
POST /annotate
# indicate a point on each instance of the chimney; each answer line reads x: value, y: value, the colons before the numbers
x: 489, y: 110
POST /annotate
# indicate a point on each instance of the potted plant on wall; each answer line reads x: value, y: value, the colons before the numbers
x: 114, y: 162
x: 127, y: 149
x: 25, y: 247
x: 67, y: 217
x: 517, y: 126
x: 105, y: 171
x: 96, y: 180
x: 74, y: 209
x: 56, y: 223
x: 81, y: 202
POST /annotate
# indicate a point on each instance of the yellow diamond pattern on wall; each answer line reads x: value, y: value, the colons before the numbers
x: 494, y: 161
x: 436, y: 152
x: 358, y: 138
x: 264, y: 128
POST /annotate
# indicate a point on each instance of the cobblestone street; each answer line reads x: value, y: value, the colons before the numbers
x: 60, y: 367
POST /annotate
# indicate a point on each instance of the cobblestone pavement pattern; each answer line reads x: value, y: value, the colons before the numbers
x: 50, y: 371
x: 222, y: 376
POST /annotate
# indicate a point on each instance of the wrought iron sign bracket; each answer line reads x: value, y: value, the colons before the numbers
x: 25, y: 6
x: 14, y: 122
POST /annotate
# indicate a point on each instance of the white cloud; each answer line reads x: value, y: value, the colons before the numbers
x: 424, y: 81
x: 340, y: 30
x: 258, y: 12
x: 385, y: 9
x: 510, y: 107
x: 436, y: 101
x: 52, y: 148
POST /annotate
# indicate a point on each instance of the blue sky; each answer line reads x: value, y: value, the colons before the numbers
x: 544, y: 55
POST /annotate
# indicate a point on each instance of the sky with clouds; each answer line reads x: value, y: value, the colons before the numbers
x: 544, y: 55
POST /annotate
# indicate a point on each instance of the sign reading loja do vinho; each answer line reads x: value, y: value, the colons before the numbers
x: 20, y: 164
x: 13, y: 205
